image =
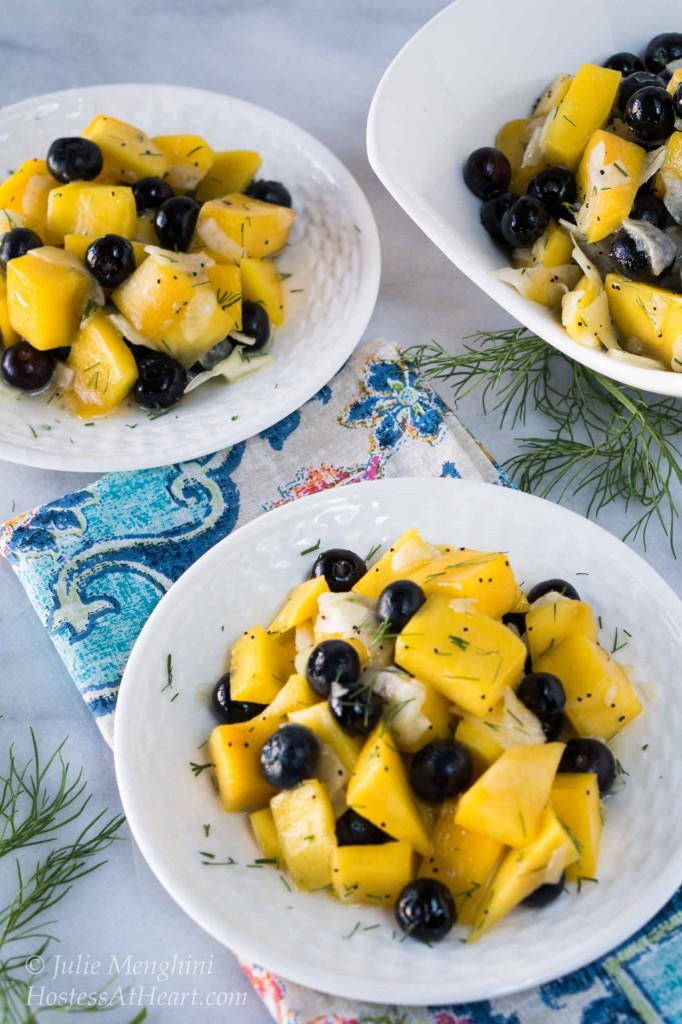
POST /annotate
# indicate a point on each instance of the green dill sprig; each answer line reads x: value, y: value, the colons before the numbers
x: 605, y: 442
x: 40, y: 800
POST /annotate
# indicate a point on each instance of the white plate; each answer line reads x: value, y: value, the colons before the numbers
x: 243, y: 580
x: 333, y: 258
x: 476, y: 65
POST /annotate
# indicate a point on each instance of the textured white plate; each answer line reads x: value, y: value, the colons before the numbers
x: 476, y: 65
x: 244, y: 580
x: 333, y: 257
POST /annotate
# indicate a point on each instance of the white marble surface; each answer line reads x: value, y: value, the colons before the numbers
x: 317, y: 63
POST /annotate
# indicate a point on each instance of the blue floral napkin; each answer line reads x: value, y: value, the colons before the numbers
x: 96, y: 562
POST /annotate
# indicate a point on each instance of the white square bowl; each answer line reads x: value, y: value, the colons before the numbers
x: 474, y: 66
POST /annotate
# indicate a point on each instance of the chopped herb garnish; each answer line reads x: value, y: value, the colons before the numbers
x: 315, y: 547
x: 197, y: 769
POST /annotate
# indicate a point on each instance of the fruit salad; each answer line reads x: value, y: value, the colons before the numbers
x: 422, y: 735
x: 137, y: 267
x: 585, y: 194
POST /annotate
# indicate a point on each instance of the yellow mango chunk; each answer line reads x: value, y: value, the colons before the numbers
x: 261, y: 283
x: 129, y: 154
x: 512, y: 140
x: 466, y: 655
x: 319, y: 718
x: 675, y: 80
x: 265, y: 831
x: 8, y: 336
x: 26, y: 192
x: 585, y: 108
x: 372, y: 874
x: 648, y: 319
x: 13, y: 188
x: 306, y: 832
x: 214, y: 310
x: 79, y: 244
x: 295, y: 695
x: 189, y: 158
x: 234, y: 751
x: 300, y: 605
x: 480, y: 742
x: 380, y: 791
x: 508, y: 800
x: 154, y: 296
x: 486, y: 578
x: 523, y: 871
x: 145, y: 231
x: 47, y: 290
x: 609, y: 175
x: 600, y: 699
x: 104, y: 367
x: 238, y: 226
x: 549, y: 624
x: 260, y: 665
x: 89, y: 208
x: 464, y: 861
x: 554, y: 248
x: 408, y: 552
x: 575, y: 799
x: 231, y: 171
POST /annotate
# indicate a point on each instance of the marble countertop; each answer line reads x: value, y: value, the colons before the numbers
x: 317, y: 64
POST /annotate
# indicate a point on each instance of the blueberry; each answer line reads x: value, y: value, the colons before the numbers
x: 677, y: 101
x: 74, y: 159
x: 161, y: 381
x: 584, y: 755
x: 650, y: 208
x: 229, y: 711
x: 340, y: 567
x: 110, y: 259
x: 525, y: 222
x: 662, y: 50
x: 398, y: 602
x: 542, y: 694
x: 545, y: 894
x: 487, y: 171
x: 354, y: 830
x: 256, y: 325
x: 269, y: 192
x: 492, y: 212
x: 440, y: 770
x: 631, y: 259
x: 332, y: 661
x: 626, y: 63
x: 150, y: 193
x: 650, y: 115
x: 175, y: 222
x: 356, y: 709
x: 556, y: 189
x: 290, y: 756
x: 425, y: 910
x: 630, y: 85
x: 516, y: 619
x: 550, y: 586
x: 17, y: 242
x: 26, y: 367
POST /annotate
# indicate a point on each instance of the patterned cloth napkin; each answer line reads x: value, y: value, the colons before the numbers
x: 96, y: 562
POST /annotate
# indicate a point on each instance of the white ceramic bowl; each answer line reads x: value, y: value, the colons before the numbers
x: 304, y: 937
x: 476, y: 65
x: 333, y: 258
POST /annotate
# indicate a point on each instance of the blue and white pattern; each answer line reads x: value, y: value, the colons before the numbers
x: 95, y: 564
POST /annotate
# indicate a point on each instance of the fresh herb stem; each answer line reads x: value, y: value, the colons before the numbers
x: 605, y: 442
